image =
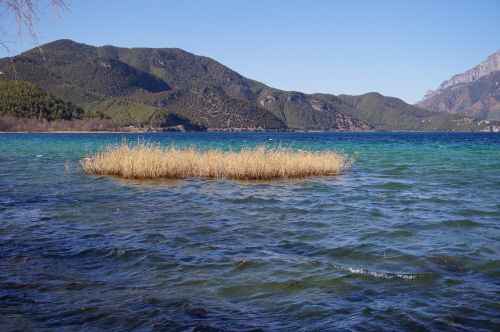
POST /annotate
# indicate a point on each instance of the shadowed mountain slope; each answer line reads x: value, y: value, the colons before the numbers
x: 159, y: 81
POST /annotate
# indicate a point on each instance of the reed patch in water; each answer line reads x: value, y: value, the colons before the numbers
x: 149, y: 161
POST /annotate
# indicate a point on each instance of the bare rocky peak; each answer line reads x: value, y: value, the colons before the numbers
x: 491, y: 64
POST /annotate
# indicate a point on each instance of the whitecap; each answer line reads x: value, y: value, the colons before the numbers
x: 380, y: 275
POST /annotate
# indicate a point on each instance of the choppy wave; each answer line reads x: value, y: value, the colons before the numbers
x: 403, y: 241
x: 381, y: 275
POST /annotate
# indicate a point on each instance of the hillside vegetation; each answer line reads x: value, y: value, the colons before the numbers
x: 146, y: 87
x: 24, y: 100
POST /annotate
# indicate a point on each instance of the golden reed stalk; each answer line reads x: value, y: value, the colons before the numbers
x: 148, y: 161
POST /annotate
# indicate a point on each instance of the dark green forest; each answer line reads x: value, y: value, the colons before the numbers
x: 25, y: 100
x: 147, y: 87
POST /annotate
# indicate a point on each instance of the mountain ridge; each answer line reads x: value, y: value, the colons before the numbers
x: 475, y: 92
x: 489, y: 65
x: 162, y: 81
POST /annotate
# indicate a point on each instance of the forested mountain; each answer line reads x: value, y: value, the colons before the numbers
x: 26, y: 100
x: 145, y: 86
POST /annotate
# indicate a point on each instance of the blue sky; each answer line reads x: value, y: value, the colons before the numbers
x: 398, y: 48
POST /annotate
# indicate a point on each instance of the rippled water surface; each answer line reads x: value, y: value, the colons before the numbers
x: 409, y: 239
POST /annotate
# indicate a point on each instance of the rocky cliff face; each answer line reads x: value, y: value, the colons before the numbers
x: 472, y: 93
x: 491, y: 64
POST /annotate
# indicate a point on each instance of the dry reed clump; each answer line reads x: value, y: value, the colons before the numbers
x: 147, y: 161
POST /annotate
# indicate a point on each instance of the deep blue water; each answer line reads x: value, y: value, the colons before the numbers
x: 409, y: 239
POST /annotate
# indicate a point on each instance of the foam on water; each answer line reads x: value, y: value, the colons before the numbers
x: 380, y: 275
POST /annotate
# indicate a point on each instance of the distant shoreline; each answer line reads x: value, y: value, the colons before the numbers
x: 247, y: 131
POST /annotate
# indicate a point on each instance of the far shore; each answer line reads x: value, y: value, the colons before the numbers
x: 74, y: 132
x: 495, y: 130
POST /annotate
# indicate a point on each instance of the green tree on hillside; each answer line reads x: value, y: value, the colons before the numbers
x: 25, y: 100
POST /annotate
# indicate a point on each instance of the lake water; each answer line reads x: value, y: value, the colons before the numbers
x: 409, y: 239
